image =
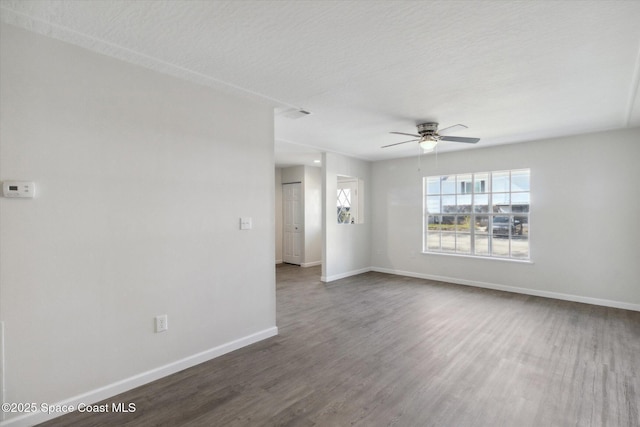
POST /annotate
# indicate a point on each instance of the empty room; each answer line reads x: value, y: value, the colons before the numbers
x: 319, y: 213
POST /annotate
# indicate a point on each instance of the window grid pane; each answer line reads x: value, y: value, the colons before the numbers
x: 448, y: 184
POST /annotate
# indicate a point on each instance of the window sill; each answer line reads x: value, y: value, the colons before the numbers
x: 517, y: 261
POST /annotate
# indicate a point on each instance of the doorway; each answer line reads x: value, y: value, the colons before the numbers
x: 293, y: 225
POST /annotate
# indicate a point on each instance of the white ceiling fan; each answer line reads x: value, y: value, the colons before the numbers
x: 429, y: 136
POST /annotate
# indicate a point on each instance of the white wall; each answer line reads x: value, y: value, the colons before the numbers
x: 278, y: 214
x: 584, y: 212
x: 137, y: 214
x: 312, y: 216
x: 347, y: 247
x: 311, y: 179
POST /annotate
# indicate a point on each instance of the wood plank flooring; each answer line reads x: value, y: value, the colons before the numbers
x: 383, y: 350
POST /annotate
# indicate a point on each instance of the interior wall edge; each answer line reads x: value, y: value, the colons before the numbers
x: 345, y: 274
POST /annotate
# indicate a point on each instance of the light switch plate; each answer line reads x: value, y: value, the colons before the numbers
x: 245, y: 223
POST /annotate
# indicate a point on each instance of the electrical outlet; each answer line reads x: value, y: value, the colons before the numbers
x: 162, y: 323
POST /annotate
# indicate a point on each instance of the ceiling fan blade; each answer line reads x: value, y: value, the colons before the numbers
x: 398, y: 143
x: 408, y: 134
x: 451, y: 129
x: 459, y: 139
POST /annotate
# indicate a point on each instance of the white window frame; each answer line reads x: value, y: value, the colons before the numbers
x: 474, y: 214
x: 354, y: 208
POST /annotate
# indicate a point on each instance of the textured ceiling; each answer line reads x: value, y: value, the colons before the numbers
x: 511, y: 71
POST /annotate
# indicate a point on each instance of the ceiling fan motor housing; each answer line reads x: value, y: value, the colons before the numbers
x: 426, y: 129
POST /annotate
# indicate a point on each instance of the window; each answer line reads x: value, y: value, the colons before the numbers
x: 482, y: 214
x: 344, y: 206
x: 350, y: 200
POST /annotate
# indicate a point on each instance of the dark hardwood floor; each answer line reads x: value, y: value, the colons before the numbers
x: 381, y: 350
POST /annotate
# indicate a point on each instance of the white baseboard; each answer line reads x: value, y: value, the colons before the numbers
x: 525, y: 291
x: 118, y: 387
x: 304, y: 264
x: 343, y: 275
x: 311, y: 264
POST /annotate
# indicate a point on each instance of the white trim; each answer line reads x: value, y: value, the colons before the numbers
x: 311, y: 264
x: 118, y: 387
x: 343, y: 275
x: 633, y: 93
x: 491, y: 258
x: 279, y: 261
x: 517, y: 290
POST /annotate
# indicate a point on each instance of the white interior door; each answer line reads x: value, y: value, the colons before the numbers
x: 293, y: 223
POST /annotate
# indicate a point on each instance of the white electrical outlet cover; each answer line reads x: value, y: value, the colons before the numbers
x: 162, y: 323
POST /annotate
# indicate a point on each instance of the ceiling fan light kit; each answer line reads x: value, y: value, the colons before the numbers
x: 428, y: 143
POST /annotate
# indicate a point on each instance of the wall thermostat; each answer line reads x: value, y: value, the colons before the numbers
x: 19, y: 189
